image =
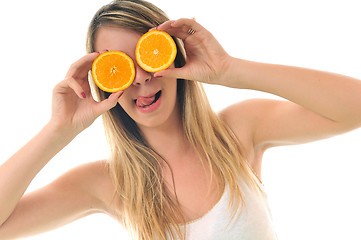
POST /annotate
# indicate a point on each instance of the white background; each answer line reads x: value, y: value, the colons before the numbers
x: 313, y: 189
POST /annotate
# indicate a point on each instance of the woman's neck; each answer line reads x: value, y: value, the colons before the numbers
x: 168, y: 140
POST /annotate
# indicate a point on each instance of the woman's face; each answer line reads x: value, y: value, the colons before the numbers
x: 149, y: 101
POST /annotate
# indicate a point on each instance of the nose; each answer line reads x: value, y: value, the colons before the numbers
x: 141, y: 76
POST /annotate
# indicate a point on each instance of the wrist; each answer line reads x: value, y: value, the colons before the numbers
x: 244, y: 74
x: 60, y: 132
x: 232, y: 73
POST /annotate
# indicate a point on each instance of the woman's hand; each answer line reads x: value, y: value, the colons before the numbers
x: 73, y: 107
x: 207, y: 61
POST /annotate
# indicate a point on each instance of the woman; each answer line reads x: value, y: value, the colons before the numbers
x: 177, y: 170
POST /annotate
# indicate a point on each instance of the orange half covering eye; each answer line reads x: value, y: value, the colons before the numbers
x: 155, y: 51
x: 113, y: 71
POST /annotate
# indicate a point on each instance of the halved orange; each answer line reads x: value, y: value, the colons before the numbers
x: 113, y: 71
x: 155, y: 51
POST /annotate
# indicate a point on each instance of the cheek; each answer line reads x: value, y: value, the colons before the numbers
x: 172, y: 86
x: 121, y: 101
x: 125, y: 102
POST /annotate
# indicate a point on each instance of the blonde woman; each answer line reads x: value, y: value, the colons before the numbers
x: 177, y: 170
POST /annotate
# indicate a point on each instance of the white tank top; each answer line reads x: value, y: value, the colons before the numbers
x: 254, y: 220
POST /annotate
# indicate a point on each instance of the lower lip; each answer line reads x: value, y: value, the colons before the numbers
x: 152, y: 107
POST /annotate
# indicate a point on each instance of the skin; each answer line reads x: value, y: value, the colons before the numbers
x: 162, y: 127
x: 259, y: 124
x: 144, y: 84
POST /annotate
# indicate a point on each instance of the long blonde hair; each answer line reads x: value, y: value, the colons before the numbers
x: 148, y: 210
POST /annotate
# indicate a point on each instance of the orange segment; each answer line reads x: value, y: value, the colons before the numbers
x: 113, y: 71
x: 155, y: 51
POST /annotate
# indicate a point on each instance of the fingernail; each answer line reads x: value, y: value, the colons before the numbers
x: 83, y: 94
x: 120, y: 94
x: 157, y: 75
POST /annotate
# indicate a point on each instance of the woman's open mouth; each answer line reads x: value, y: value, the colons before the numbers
x: 148, y: 104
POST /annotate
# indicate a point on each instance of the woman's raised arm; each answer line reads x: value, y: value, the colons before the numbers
x: 321, y: 104
x: 73, y: 110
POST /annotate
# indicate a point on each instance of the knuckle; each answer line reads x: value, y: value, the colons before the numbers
x: 74, y: 65
x: 69, y: 80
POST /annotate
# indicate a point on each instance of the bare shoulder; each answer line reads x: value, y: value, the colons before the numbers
x: 244, y: 119
x: 266, y: 123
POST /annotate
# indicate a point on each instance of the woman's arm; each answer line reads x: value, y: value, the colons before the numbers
x: 79, y: 192
x: 321, y: 104
x: 73, y: 110
x: 17, y: 173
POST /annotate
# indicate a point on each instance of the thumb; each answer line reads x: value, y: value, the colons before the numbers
x: 108, y: 103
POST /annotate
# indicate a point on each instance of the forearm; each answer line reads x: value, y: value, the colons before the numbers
x: 17, y: 172
x: 333, y: 96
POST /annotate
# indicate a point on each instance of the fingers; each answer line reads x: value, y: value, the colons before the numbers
x: 81, y: 67
x: 108, y: 103
x: 173, y: 73
x: 77, y: 76
x: 77, y: 88
x: 186, y: 22
x: 182, y: 28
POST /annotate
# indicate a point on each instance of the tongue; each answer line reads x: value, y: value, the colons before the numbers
x: 145, y: 101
